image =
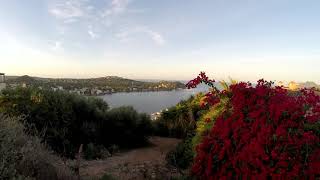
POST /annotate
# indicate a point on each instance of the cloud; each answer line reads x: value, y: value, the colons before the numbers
x: 117, y: 7
x: 123, y: 36
x: 85, y: 18
x: 57, y: 46
x: 91, y: 33
x: 156, y: 37
x: 69, y: 11
x: 84, y: 12
x: 126, y: 35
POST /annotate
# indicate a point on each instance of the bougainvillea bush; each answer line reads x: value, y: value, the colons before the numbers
x: 206, y: 121
x: 265, y: 132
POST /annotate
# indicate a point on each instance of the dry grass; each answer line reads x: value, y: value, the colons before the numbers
x: 24, y: 156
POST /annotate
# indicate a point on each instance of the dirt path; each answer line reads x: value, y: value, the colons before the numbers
x: 142, y: 163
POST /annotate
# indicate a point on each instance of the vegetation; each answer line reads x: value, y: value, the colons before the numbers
x: 180, y: 120
x: 107, y: 177
x: 206, y: 121
x: 64, y: 121
x: 93, y: 151
x: 106, y: 84
x: 126, y: 127
x: 182, y: 156
x: 263, y: 132
x: 19, y: 160
x: 205, y: 115
x: 245, y: 131
x: 242, y: 131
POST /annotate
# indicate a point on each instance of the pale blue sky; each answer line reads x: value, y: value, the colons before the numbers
x: 162, y: 39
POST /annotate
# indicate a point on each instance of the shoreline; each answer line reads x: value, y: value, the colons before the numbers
x: 127, y: 92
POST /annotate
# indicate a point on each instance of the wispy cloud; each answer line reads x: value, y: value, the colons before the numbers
x: 123, y: 36
x: 68, y: 11
x: 156, y: 37
x: 127, y: 35
x: 91, y: 33
x: 57, y: 46
x: 94, y: 20
x: 117, y: 7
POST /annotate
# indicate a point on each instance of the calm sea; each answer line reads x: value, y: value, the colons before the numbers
x: 150, y: 102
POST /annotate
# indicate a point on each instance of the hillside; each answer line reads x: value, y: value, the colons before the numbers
x: 101, y: 85
x: 310, y: 84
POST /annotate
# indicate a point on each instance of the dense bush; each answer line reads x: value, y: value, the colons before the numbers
x: 182, y: 156
x: 179, y: 120
x: 92, y: 151
x: 64, y: 121
x: 264, y: 132
x: 107, y: 177
x: 22, y: 156
x: 206, y: 121
x: 131, y: 128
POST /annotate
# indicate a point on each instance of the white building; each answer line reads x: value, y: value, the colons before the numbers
x: 155, y: 116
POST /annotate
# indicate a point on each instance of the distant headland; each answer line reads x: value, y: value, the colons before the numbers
x: 92, y: 86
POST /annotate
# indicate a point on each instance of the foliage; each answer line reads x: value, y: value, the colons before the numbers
x: 180, y: 120
x: 126, y: 127
x: 117, y: 84
x: 23, y: 157
x: 92, y: 151
x: 184, y: 153
x: 206, y: 121
x: 107, y: 177
x: 184, y: 177
x: 182, y: 156
x: 261, y: 134
x: 64, y: 121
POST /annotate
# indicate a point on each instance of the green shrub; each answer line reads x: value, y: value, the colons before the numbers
x: 179, y: 120
x: 183, y: 178
x: 107, y: 177
x: 64, y: 121
x: 24, y: 156
x: 114, y: 149
x: 206, y: 121
x: 93, y: 151
x: 126, y: 127
x: 182, y: 156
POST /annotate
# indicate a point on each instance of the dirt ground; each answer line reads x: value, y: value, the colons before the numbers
x: 143, y: 163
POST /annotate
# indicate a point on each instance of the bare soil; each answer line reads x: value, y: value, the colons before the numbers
x: 143, y: 163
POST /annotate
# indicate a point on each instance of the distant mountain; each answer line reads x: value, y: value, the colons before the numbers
x: 309, y: 84
x: 112, y: 83
x: 21, y: 79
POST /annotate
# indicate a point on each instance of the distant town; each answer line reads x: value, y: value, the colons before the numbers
x: 111, y: 84
x: 90, y: 87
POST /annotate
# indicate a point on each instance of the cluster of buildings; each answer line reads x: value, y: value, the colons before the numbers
x: 88, y: 91
x: 157, y: 115
x: 81, y: 91
x: 84, y: 91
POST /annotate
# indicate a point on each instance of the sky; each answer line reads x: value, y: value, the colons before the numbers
x: 162, y: 39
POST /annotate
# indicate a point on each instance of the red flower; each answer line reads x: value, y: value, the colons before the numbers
x: 261, y: 134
